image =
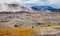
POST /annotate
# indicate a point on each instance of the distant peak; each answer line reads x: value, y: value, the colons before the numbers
x: 42, y: 7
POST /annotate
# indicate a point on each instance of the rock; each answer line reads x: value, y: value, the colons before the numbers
x: 49, y: 31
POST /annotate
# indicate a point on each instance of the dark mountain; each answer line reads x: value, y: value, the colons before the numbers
x: 55, y: 10
x: 42, y: 7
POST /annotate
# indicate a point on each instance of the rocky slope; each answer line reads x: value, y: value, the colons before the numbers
x: 28, y: 18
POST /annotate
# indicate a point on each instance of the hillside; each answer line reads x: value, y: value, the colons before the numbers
x: 15, y: 18
x: 12, y: 7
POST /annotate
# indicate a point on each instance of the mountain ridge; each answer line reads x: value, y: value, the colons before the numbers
x: 4, y: 7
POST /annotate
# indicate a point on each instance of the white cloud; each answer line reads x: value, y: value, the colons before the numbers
x: 9, y: 1
x: 29, y: 1
x: 54, y: 3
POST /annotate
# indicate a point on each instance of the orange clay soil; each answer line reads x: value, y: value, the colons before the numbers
x: 15, y: 31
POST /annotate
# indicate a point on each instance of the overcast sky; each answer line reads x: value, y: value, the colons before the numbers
x: 54, y: 3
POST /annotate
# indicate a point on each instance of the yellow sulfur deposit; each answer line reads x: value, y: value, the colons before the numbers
x: 23, y: 31
x: 50, y: 25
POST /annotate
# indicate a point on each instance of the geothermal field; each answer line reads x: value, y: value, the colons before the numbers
x: 17, y: 20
